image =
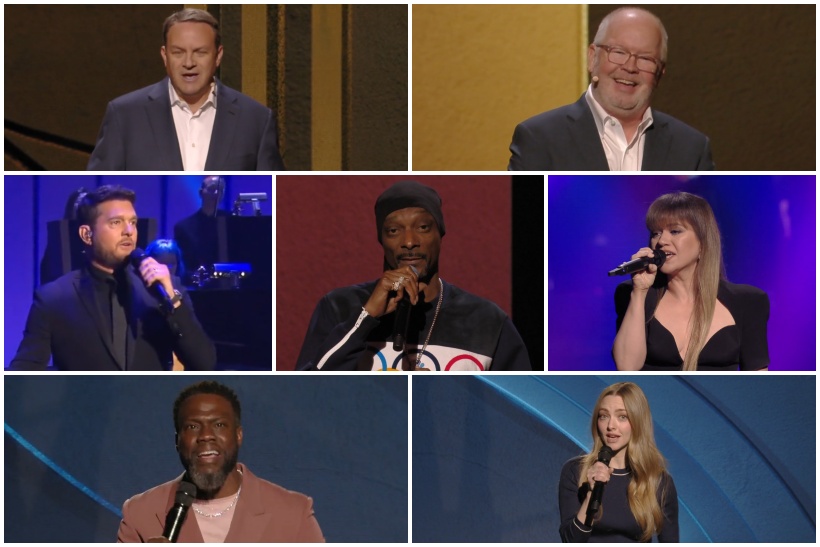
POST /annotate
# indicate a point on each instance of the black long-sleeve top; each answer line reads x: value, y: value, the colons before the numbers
x: 617, y: 523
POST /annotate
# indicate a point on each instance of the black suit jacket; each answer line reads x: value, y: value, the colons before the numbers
x: 66, y: 324
x: 138, y: 134
x: 566, y: 139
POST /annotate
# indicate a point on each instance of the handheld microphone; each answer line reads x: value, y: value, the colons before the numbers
x: 137, y: 256
x: 402, y: 321
x: 639, y: 264
x: 186, y: 492
x: 604, y: 455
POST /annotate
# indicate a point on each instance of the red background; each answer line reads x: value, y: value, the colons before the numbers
x: 326, y: 238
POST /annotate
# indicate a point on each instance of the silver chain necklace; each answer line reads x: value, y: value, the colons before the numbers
x: 228, y: 508
x: 433, y: 324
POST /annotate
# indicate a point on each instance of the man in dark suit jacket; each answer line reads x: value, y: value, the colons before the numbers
x: 190, y: 120
x: 207, y: 420
x: 611, y: 127
x: 103, y: 316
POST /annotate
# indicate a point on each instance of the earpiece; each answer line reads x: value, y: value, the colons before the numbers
x: 86, y: 234
x: 595, y: 79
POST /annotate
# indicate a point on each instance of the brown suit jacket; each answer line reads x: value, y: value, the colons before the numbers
x: 265, y: 513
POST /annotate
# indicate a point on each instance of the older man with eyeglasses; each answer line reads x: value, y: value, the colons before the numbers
x: 612, y: 126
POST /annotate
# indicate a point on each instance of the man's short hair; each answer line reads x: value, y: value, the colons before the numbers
x: 191, y: 15
x: 207, y: 387
x: 87, y: 208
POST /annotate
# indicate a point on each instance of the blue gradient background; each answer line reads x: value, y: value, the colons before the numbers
x: 488, y: 453
x: 341, y: 440
x: 768, y: 229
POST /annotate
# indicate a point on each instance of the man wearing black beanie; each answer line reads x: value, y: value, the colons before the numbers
x: 410, y: 319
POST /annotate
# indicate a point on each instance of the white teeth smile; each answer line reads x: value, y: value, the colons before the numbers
x: 626, y: 82
x: 208, y: 453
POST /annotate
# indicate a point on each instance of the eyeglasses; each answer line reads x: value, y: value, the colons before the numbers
x: 620, y: 56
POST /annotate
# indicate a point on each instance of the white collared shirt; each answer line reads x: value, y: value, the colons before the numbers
x: 193, y: 130
x: 620, y: 155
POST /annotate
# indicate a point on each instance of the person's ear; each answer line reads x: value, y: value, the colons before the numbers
x: 86, y: 234
x: 591, y: 61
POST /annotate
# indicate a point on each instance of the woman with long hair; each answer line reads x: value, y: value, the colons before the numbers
x: 685, y: 315
x: 639, y: 499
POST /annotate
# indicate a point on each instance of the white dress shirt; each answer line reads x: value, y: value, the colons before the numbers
x: 193, y: 130
x: 620, y: 155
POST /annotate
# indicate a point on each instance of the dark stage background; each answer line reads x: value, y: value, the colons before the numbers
x: 767, y: 226
x: 326, y: 238
x: 32, y: 201
x: 488, y: 455
x: 334, y: 75
x: 77, y: 447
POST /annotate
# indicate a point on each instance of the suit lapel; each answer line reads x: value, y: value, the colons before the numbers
x: 189, y: 533
x: 251, y: 517
x: 582, y: 130
x: 138, y: 311
x: 158, y: 110
x: 225, y: 124
x: 657, y: 145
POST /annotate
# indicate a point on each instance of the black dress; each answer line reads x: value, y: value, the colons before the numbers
x: 742, y: 345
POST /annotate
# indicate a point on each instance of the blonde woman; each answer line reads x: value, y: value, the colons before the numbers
x: 639, y: 499
x: 685, y: 315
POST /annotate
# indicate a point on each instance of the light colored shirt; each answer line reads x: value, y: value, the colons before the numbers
x: 193, y: 130
x: 620, y: 154
x: 214, y: 529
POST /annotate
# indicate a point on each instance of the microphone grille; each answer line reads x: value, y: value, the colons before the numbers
x: 186, y: 492
x: 137, y: 256
x: 605, y: 454
x: 659, y: 258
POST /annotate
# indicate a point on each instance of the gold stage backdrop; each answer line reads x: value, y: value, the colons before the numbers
x: 742, y: 74
x: 479, y: 70
x: 336, y: 75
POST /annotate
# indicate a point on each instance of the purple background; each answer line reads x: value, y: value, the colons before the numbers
x: 767, y: 225
x: 30, y: 201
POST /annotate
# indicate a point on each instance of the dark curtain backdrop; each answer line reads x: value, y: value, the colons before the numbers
x: 63, y: 64
x: 76, y: 447
x: 488, y: 455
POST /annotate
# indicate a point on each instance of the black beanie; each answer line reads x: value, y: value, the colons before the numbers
x: 408, y: 193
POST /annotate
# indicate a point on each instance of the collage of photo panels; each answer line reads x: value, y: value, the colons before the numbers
x: 384, y: 242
